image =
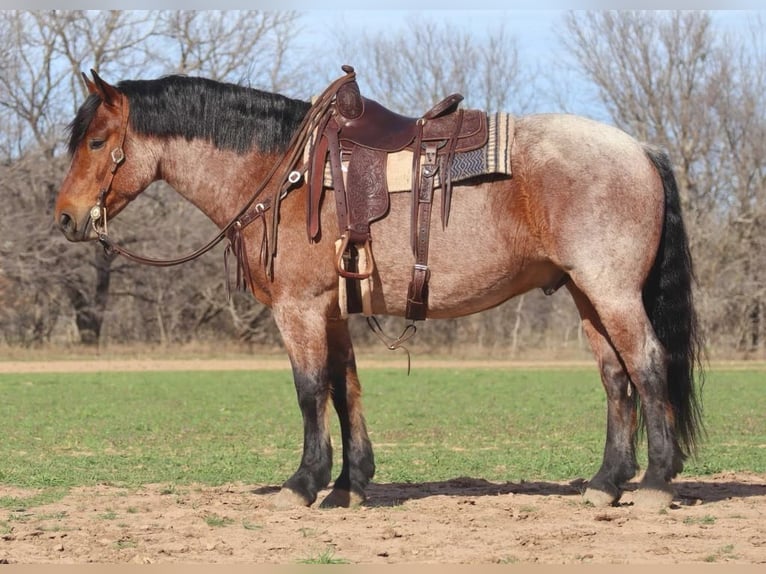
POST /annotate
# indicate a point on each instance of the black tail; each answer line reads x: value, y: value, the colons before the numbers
x: 669, y: 304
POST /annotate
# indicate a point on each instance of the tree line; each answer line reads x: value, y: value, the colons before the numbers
x: 674, y: 79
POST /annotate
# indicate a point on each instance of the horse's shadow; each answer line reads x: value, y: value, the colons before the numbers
x: 688, y: 492
x: 716, y: 491
x: 396, y: 493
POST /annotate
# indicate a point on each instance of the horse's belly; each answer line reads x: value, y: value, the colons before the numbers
x: 461, y: 283
x: 483, y: 257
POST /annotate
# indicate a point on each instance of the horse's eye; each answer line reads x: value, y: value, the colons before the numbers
x: 96, y: 143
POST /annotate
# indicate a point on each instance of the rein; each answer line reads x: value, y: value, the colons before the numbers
x: 316, y: 114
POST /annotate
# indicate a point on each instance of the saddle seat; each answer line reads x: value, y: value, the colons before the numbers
x: 365, y: 122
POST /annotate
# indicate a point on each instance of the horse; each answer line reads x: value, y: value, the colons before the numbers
x: 587, y: 207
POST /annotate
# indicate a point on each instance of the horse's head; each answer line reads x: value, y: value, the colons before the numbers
x: 108, y: 168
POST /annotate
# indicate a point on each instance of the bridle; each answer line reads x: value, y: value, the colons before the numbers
x: 251, y: 211
x: 98, y: 211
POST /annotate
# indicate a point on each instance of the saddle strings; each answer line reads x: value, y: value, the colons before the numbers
x: 316, y: 115
x: 391, y: 343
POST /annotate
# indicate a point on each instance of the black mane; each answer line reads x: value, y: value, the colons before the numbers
x: 229, y: 116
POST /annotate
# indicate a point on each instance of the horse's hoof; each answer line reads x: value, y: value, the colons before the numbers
x: 652, y: 498
x: 342, y: 499
x: 599, y: 498
x: 286, y: 499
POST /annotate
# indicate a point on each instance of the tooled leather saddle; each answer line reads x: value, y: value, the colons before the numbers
x: 358, y: 135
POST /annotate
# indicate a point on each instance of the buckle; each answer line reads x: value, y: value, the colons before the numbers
x: 118, y: 156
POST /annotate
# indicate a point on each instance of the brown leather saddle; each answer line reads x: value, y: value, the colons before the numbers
x: 358, y: 136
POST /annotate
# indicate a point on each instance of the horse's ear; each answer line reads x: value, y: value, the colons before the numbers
x: 109, y: 94
x: 89, y: 84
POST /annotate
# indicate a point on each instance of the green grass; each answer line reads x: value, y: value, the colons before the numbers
x: 179, y: 428
x: 326, y: 557
x: 215, y: 521
x: 46, y: 496
x: 707, y: 519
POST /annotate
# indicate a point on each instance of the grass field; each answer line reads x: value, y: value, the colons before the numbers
x: 64, y: 430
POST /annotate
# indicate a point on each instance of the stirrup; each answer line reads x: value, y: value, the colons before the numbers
x: 362, y: 273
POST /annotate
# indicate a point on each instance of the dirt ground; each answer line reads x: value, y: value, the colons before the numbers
x: 713, y: 519
x: 716, y: 519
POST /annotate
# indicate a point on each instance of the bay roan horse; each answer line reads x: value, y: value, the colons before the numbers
x: 586, y: 205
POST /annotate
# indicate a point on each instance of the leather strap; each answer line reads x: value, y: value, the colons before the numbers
x: 417, y: 293
x: 316, y: 184
x: 446, y: 174
x: 416, y: 183
x: 98, y: 211
x: 338, y: 183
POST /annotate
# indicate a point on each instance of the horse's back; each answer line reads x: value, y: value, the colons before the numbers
x: 574, y: 143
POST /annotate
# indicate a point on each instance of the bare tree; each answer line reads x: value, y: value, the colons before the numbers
x: 741, y: 208
x: 412, y: 69
x: 240, y: 46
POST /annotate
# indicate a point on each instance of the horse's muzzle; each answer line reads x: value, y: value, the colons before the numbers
x: 70, y: 229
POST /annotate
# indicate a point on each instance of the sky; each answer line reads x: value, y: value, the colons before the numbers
x: 534, y: 30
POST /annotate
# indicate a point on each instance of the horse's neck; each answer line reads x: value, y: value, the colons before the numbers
x: 218, y: 182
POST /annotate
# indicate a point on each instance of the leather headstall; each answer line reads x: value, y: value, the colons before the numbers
x: 117, y: 155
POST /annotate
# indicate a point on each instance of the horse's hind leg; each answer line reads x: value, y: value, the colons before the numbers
x: 358, y: 461
x: 619, y: 463
x: 631, y: 334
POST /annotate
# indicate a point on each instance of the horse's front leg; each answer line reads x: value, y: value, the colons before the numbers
x: 358, y: 460
x: 324, y: 368
x: 304, y: 332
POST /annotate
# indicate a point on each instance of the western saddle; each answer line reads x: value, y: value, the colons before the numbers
x: 361, y: 133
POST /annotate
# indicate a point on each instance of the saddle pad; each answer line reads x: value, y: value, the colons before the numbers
x: 493, y: 158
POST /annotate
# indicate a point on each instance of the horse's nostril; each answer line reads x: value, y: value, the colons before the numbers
x: 67, y: 224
